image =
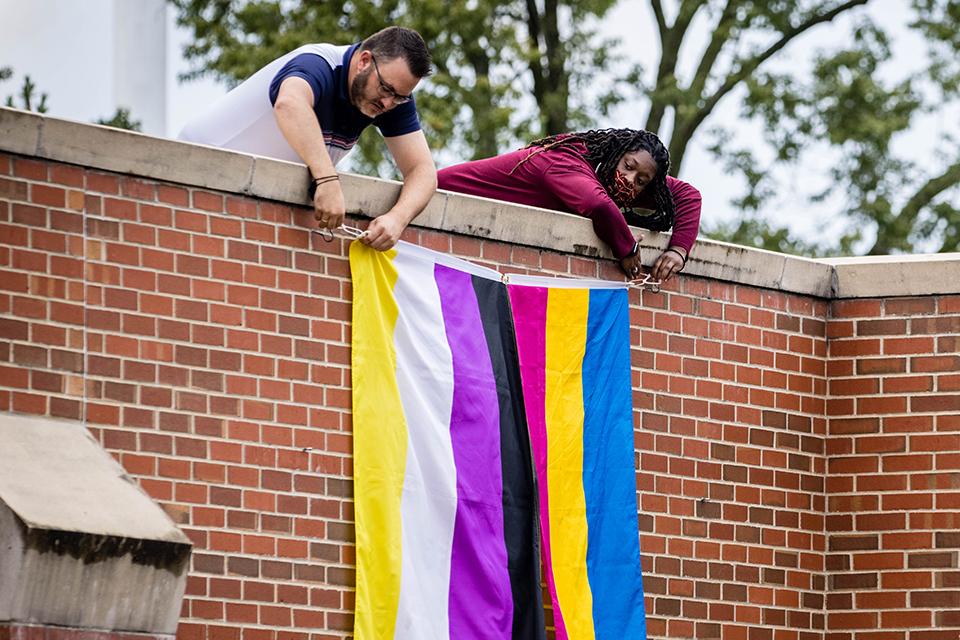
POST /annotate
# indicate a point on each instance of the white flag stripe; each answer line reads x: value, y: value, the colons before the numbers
x: 429, y: 503
x: 417, y: 253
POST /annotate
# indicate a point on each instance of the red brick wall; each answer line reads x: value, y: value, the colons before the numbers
x: 204, y: 337
x: 894, y: 468
x: 730, y: 381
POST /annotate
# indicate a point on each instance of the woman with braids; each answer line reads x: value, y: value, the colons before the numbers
x: 600, y: 174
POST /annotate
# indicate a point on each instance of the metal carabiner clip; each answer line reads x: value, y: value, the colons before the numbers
x: 647, y: 283
x: 326, y: 234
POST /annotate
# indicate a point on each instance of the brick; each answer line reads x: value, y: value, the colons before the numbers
x: 137, y: 189
x: 881, y: 405
x: 908, y: 384
x: 854, y: 425
x: 937, y: 403
x: 207, y: 201
x: 901, y: 346
x: 48, y: 196
x: 948, y: 364
x: 13, y: 189
x: 881, y: 327
x: 882, y: 365
x: 173, y: 195
x: 937, y: 560
x: 30, y: 169
x: 855, y: 347
x: 937, y: 324
x: 910, y: 306
x: 854, y: 386
x: 28, y: 215
x: 855, y: 308
x: 66, y: 221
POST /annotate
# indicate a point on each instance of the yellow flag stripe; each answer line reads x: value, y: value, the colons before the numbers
x: 566, y: 337
x: 380, y: 443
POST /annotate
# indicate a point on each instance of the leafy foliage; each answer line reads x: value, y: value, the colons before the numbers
x: 754, y: 231
x: 744, y: 35
x: 510, y: 71
x: 122, y: 119
x: 849, y: 103
x: 27, y: 94
x: 505, y: 73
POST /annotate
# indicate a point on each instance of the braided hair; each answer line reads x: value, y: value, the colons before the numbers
x: 605, y: 147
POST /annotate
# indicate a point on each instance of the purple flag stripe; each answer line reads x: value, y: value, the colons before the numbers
x: 481, y: 601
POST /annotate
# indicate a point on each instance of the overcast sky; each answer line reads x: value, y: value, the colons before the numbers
x: 66, y: 47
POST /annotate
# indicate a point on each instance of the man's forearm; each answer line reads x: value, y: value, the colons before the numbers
x: 418, y: 187
x: 300, y: 128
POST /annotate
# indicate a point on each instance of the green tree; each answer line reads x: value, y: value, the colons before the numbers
x: 27, y: 94
x: 510, y: 71
x: 754, y: 231
x: 744, y: 35
x: 505, y: 71
x: 849, y: 103
x: 122, y: 119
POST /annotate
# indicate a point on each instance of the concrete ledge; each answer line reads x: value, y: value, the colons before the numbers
x: 872, y: 276
x: 83, y: 546
x: 137, y: 154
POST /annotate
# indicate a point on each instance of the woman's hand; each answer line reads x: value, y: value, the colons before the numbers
x: 631, y: 265
x: 668, y: 264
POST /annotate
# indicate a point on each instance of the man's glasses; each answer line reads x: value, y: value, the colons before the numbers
x: 386, y: 91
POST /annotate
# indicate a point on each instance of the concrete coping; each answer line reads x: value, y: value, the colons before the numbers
x: 83, y: 546
x: 137, y: 154
x: 57, y: 478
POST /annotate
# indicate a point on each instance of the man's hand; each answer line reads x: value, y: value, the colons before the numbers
x: 383, y: 232
x: 667, y: 265
x: 328, y: 207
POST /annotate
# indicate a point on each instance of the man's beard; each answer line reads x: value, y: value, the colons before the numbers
x: 357, y: 98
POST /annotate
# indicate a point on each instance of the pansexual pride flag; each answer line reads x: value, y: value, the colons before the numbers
x: 443, y: 484
x: 574, y: 348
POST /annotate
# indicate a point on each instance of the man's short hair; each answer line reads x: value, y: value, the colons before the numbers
x: 400, y: 42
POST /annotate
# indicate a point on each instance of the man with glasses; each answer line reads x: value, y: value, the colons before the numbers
x: 311, y: 106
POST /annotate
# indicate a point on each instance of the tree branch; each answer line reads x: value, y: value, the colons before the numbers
x: 671, y: 37
x: 683, y: 130
x: 661, y: 20
x: 908, y: 215
x: 536, y: 67
x: 721, y: 34
x: 555, y: 109
x: 929, y: 191
x: 688, y: 9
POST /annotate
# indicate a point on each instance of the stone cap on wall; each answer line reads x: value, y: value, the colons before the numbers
x: 55, y: 476
x: 132, y: 153
x: 83, y: 545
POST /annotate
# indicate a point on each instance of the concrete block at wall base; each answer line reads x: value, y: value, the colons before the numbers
x: 82, y: 545
x: 14, y: 631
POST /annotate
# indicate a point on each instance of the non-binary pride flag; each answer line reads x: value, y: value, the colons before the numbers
x: 574, y: 348
x: 443, y: 484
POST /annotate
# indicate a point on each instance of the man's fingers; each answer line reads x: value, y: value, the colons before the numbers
x: 372, y: 235
x: 328, y: 220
